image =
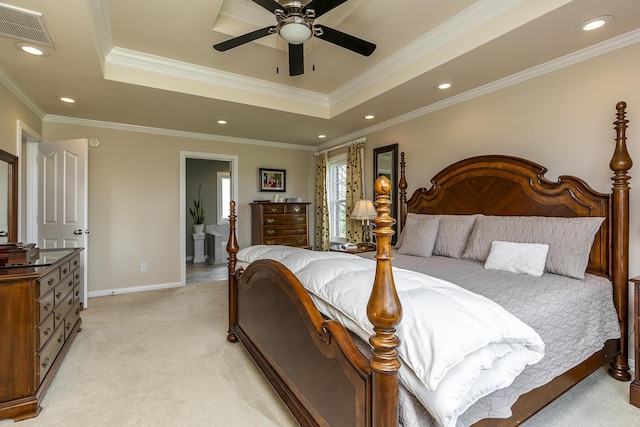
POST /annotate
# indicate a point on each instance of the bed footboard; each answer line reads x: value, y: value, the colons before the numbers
x: 312, y: 363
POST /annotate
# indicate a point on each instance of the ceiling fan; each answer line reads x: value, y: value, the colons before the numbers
x: 295, y: 25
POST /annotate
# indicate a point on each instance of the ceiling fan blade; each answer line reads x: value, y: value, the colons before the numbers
x: 245, y: 38
x: 296, y: 59
x: 322, y: 6
x: 346, y: 41
x: 270, y: 5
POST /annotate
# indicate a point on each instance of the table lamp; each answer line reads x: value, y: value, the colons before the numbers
x: 364, y: 211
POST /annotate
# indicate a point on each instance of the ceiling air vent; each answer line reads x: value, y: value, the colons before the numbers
x: 23, y: 24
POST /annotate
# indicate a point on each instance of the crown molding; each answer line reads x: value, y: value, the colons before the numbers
x: 49, y: 118
x: 101, y: 30
x: 450, y: 30
x: 601, y: 48
x: 159, y: 65
x: 13, y: 87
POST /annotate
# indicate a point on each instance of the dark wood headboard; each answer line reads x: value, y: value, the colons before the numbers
x: 504, y: 185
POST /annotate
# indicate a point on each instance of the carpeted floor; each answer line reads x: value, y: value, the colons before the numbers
x: 161, y: 358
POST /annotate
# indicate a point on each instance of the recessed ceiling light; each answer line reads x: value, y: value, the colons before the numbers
x: 222, y: 122
x: 444, y: 86
x: 595, y: 23
x: 67, y: 99
x: 369, y: 117
x: 322, y: 136
x: 31, y: 49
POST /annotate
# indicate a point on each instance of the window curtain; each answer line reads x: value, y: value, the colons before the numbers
x: 322, y: 205
x: 354, y: 190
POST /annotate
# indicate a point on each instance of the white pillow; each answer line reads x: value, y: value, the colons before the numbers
x: 528, y: 258
x: 419, y: 237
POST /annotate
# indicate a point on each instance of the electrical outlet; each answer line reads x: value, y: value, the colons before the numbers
x: 143, y: 266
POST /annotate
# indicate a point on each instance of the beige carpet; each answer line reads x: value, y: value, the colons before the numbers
x: 161, y: 358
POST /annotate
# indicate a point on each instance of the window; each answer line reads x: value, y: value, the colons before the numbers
x: 224, y: 196
x: 337, y: 198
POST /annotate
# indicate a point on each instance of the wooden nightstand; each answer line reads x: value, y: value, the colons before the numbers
x: 358, y: 250
x: 634, y: 392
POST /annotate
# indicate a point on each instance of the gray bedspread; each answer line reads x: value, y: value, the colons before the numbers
x: 573, y: 317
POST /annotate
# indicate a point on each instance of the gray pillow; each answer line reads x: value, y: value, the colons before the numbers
x: 420, y: 237
x: 453, y: 233
x: 569, y: 239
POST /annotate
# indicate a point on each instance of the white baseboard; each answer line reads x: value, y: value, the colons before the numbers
x: 118, y: 291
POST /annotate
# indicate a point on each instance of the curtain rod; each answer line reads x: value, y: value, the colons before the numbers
x: 336, y: 147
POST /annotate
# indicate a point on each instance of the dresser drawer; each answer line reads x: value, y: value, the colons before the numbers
x: 45, y: 330
x: 284, y: 231
x: 62, y: 307
x: 76, y: 293
x: 65, y: 268
x: 273, y: 209
x: 296, y: 209
x: 45, y: 306
x: 48, y: 282
x: 48, y: 354
x: 285, y: 219
x: 62, y: 290
x: 287, y: 241
x: 74, y: 263
x: 70, y: 319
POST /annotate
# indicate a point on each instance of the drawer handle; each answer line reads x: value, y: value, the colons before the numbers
x: 75, y: 262
x: 270, y: 242
x: 58, y: 316
x: 270, y: 220
x: 47, y: 306
x: 70, y: 283
x: 77, y: 293
x: 50, y: 281
x: 300, y: 230
x: 47, y: 332
x: 68, y: 326
x: 301, y: 240
x: 270, y: 231
x: 300, y: 219
x: 58, y: 295
x: 70, y: 301
x: 64, y: 271
x: 61, y: 339
x: 296, y: 209
x: 46, y: 362
x: 274, y: 209
x: 78, y: 311
x: 77, y: 276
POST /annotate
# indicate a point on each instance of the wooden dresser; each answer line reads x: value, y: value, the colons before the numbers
x: 280, y: 224
x: 39, y: 318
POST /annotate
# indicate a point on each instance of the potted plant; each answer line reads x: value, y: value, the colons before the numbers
x: 197, y: 213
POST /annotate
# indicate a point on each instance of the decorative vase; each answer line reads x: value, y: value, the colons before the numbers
x: 198, y: 228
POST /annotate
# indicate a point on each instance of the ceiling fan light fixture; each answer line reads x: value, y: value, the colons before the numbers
x: 294, y: 30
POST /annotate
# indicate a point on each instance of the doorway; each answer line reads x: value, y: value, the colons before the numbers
x: 201, y: 172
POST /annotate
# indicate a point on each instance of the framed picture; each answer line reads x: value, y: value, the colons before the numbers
x: 272, y: 179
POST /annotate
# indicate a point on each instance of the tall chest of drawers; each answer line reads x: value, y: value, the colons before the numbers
x: 39, y: 318
x: 280, y: 224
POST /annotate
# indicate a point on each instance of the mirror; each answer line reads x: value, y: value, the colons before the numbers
x: 385, y: 162
x: 8, y: 197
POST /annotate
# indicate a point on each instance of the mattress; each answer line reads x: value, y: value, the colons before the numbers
x: 573, y: 317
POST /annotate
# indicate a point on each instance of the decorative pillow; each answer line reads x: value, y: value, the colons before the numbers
x: 419, y: 237
x: 569, y: 239
x: 528, y: 258
x: 453, y: 233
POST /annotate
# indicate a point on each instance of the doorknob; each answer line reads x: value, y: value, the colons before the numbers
x: 77, y: 232
x: 86, y: 231
x: 3, y: 234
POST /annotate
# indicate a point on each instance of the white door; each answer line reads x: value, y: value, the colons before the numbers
x: 62, y: 199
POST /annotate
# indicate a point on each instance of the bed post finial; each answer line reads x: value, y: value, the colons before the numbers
x: 620, y: 164
x: 384, y: 312
x: 402, y: 185
x: 232, y: 250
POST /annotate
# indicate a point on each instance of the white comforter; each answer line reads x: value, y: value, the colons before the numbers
x: 456, y: 346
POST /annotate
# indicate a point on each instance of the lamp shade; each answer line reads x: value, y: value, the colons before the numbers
x: 364, y: 209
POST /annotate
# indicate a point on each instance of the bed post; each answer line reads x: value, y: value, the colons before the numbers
x: 402, y: 185
x: 620, y: 165
x: 232, y: 250
x: 384, y: 312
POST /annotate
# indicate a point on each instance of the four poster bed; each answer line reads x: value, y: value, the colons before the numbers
x: 328, y: 374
